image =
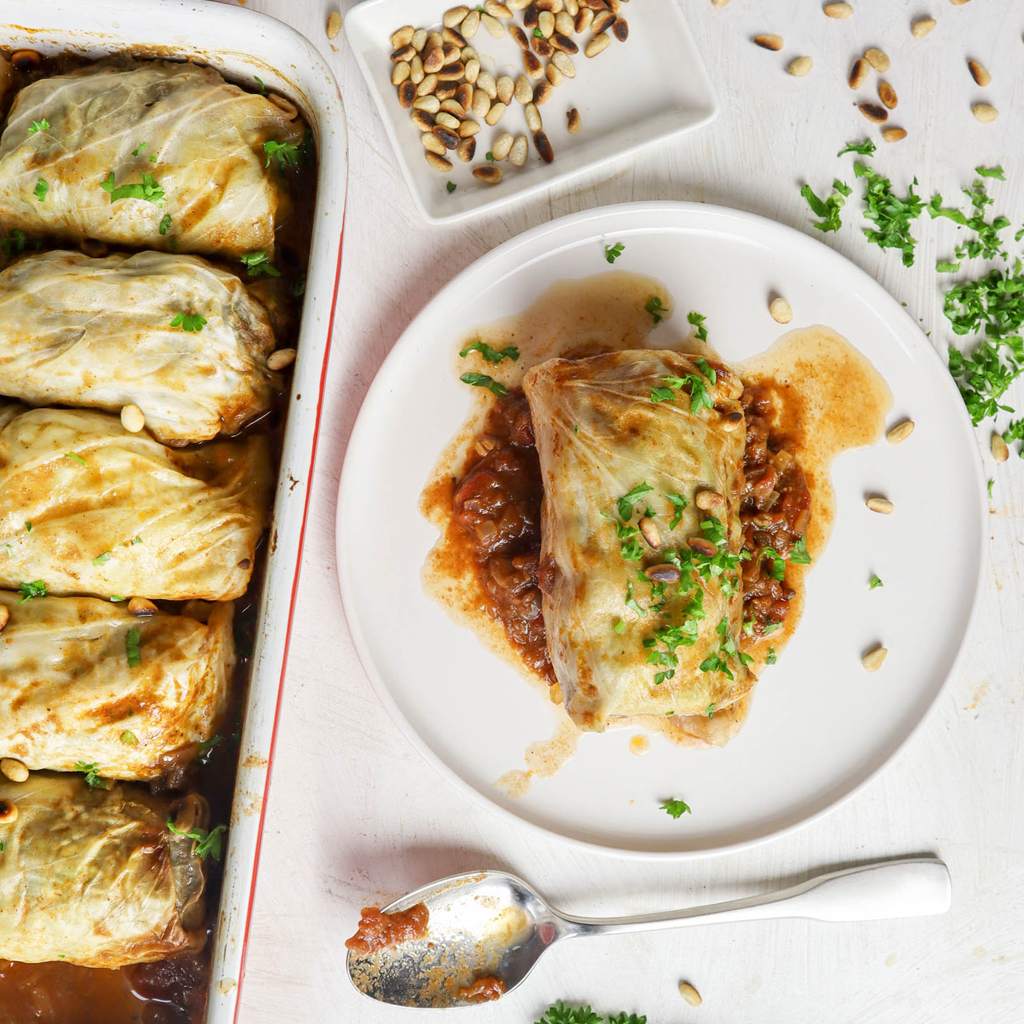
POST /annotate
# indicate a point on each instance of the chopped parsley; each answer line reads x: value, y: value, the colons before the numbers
x: 41, y: 189
x: 75, y: 457
x: 702, y: 364
x: 718, y: 661
x: 259, y: 82
x: 285, y: 153
x: 14, y: 244
x: 700, y: 397
x: 946, y: 267
x: 711, y: 710
x: 678, y: 502
x: 655, y: 308
x: 618, y: 626
x: 891, y: 215
x: 28, y: 526
x: 138, y: 149
x: 39, y: 126
x: 191, y: 322
x: 987, y: 245
x: 299, y: 288
x: 116, y: 599
x: 865, y: 148
x: 451, y: 186
x: 101, y: 559
x: 482, y: 380
x: 798, y: 554
x: 133, y: 647
x: 129, y: 738
x: 492, y: 355
x: 205, y: 751
x: 772, y: 657
x: 204, y: 843
x: 30, y: 590
x: 990, y: 483
x: 258, y: 263
x: 676, y: 808
x: 990, y: 172
x: 672, y: 637
x: 562, y: 1014
x: 625, y: 504
x: 165, y: 224
x: 693, y: 317
x: 875, y: 583
x: 92, y: 776
x: 828, y: 208
x: 147, y: 189
x: 631, y: 602
x: 613, y: 252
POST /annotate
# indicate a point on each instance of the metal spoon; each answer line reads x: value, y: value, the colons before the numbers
x: 491, y: 924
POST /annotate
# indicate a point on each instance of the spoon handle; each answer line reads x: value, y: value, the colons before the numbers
x: 913, y: 887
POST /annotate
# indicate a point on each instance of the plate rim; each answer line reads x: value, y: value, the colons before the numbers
x: 406, y: 339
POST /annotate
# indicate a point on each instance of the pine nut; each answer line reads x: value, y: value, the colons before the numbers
x: 13, y: 769
x: 543, y: 144
x: 573, y: 117
x: 470, y: 25
x: 402, y: 53
x: 402, y: 37
x: 621, y: 29
x: 649, y: 532
x: 8, y: 812
x: 564, y: 23
x: 481, y: 104
x: 446, y: 120
x: 564, y: 63
x: 446, y: 91
x: 979, y: 73
x: 468, y: 54
x: 859, y: 73
x: 436, y: 161
x: 543, y: 48
x: 496, y: 9
x: 333, y: 24
x: 464, y: 98
x: 900, y: 432
x: 702, y: 546
x: 406, y: 94
x: 492, y: 25
x: 602, y: 22
x: 984, y: 112
x: 554, y: 6
x: 533, y: 118
x: 452, y: 72
x: 922, y: 27
x: 468, y: 128
x: 427, y: 86
x: 5, y: 617
x: 554, y: 76
x: 887, y: 94
x: 546, y: 24
x: 501, y: 146
x: 690, y: 994
x: 543, y: 92
x: 872, y: 661
x: 455, y: 16
x: 449, y: 138
x: 519, y: 151
x: 434, y: 39
x: 1000, y: 449
x: 533, y: 66
x: 141, y: 607
x: 894, y: 134
x: 800, y: 67
x: 495, y: 114
x: 422, y: 120
x: 485, y: 81
x: 132, y: 418
x: 400, y: 72
x: 472, y: 71
x: 597, y: 44
x: 428, y: 104
x: 505, y: 88
x: 416, y: 72
x: 877, y: 59
x: 584, y: 20
x: 873, y: 112
x: 563, y: 43
x: 432, y: 144
x: 838, y: 10
x: 881, y: 505
x: 664, y: 573
x: 455, y: 108
x: 769, y: 42
x: 488, y: 173
x: 572, y: 8
x: 530, y: 16
x: 524, y: 90
x: 454, y: 39
x: 519, y: 36
x: 452, y: 51
x: 466, y: 150
x: 780, y: 310
x: 709, y: 501
x: 419, y: 39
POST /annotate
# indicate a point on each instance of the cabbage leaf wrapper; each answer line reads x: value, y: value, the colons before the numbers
x: 78, y: 686
x: 88, y: 508
x: 98, y: 332
x: 187, y: 146
x: 625, y: 437
x: 95, y: 877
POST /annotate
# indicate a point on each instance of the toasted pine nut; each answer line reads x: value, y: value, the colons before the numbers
x: 1000, y: 449
x: 488, y: 173
x: 533, y: 118
x: 597, y: 44
x: 501, y: 146
x: 422, y: 120
x: 543, y: 144
x: 689, y: 993
x: 472, y: 71
x: 429, y: 104
x: 8, y: 812
x: 546, y: 24
x: 464, y: 98
x: 485, y: 81
x: 437, y: 162
x: 419, y: 39
x: 468, y: 128
x: 603, y: 20
x: 491, y: 23
x: 563, y: 43
x: 859, y: 73
x: 402, y: 53
x: 141, y: 607
x: 702, y: 546
x: 554, y: 6
x: 333, y: 24
x: 882, y: 505
x: 543, y: 48
x: 470, y: 25
x: 455, y: 16
x: 416, y: 72
x: 664, y: 573
x: 449, y: 137
x: 922, y: 27
x: 780, y: 310
x: 838, y: 10
x: 446, y: 120
x: 407, y: 93
x: 481, y: 104
x: 543, y: 92
x: 887, y: 94
x: 900, y: 432
x: 872, y: 661
x: 873, y: 112
x: 454, y: 39
x: 564, y: 23
x: 984, y: 112
x: 894, y: 134
x: 132, y: 418
x: 524, y: 90
x: 530, y: 16
x: 434, y: 39
x: 584, y: 20
x: 496, y: 9
x: 533, y: 66
x: 281, y: 358
x: 620, y: 29
x: 573, y: 118
x: 520, y: 37
x: 427, y: 86
x: 452, y: 72
x: 709, y: 501
x: 401, y: 37
x: 649, y: 532
x: 572, y: 8
x: 564, y: 63
x: 519, y: 151
x: 878, y: 59
x: 554, y: 76
x: 13, y: 769
x: 400, y: 72
x: 800, y: 67
x: 505, y: 88
x: 432, y: 144
x: 769, y: 42
x: 495, y: 114
x: 466, y: 150
x: 979, y: 73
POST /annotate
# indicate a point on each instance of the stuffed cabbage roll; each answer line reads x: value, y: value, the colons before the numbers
x: 641, y: 454
x: 150, y: 155
x: 86, y: 681
x: 95, y: 876
x: 98, y: 332
x: 88, y: 508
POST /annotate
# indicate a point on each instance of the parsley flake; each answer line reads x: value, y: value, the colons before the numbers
x: 41, y: 189
x: 451, y: 187
x: 676, y: 808
x: 492, y: 355
x: 189, y: 322
x: 133, y: 647
x: 798, y: 554
x: 285, y: 153
x: 204, y: 843
x: 693, y: 317
x: 482, y: 380
x: 875, y: 583
x: 165, y: 224
x: 991, y: 172
x: 39, y: 126
x: 258, y: 263
x: 828, y: 208
x: 30, y: 590
x: 613, y: 252
x: 624, y: 505
x: 75, y: 457
x: 772, y: 657
x: 101, y: 559
x: 865, y: 148
x: 655, y: 308
x: 678, y: 502
x: 92, y: 777
x: 259, y: 82
x: 147, y: 189
x: 129, y: 738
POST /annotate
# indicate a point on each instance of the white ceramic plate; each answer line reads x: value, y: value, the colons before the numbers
x: 650, y: 88
x: 819, y: 726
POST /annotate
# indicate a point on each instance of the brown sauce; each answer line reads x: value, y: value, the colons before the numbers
x: 483, y: 990
x: 378, y: 930
x: 172, y: 991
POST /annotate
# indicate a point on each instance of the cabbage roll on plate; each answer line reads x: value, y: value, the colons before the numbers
x: 94, y: 876
x: 641, y: 454
x: 101, y: 332
x: 150, y: 155
x: 88, y: 508
x: 87, y: 681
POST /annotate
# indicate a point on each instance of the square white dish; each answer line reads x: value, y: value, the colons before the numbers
x: 648, y: 89
x: 241, y: 44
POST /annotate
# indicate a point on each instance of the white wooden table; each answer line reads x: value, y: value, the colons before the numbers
x: 356, y: 816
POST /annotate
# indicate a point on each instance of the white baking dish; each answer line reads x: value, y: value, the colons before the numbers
x: 241, y: 44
